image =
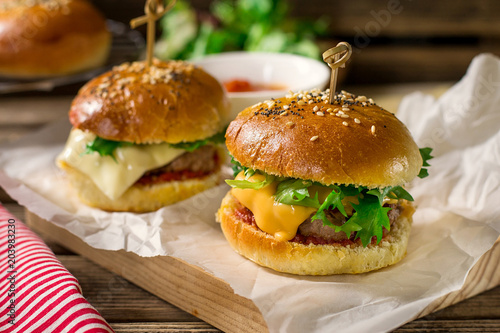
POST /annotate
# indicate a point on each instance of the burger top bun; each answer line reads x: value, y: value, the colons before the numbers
x: 41, y: 38
x: 302, y: 135
x: 170, y: 102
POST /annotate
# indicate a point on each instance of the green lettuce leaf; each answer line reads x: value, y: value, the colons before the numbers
x: 247, y: 184
x: 370, y: 218
x: 237, y: 167
x: 104, y: 147
x: 296, y: 192
x: 193, y: 145
x: 396, y: 192
x: 107, y: 147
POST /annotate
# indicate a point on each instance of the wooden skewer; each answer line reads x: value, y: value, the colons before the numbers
x: 154, y: 10
x: 334, y: 61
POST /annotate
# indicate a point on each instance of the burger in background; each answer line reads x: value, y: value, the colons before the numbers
x: 319, y: 186
x: 146, y: 137
x: 46, y: 38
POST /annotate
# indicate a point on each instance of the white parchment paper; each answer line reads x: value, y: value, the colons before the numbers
x: 457, y: 221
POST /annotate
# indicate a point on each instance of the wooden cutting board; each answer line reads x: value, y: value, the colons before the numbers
x: 212, y: 299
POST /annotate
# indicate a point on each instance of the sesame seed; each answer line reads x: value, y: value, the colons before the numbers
x: 301, y: 103
x: 314, y: 138
x: 373, y: 129
x: 316, y: 108
x: 345, y: 123
x: 290, y: 124
x: 284, y: 113
x: 319, y: 113
x: 286, y: 107
x: 357, y: 121
x: 344, y: 116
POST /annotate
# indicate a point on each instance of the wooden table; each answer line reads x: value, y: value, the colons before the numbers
x: 129, y: 308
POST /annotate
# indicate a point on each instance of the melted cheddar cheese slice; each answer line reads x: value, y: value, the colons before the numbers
x: 277, y: 219
x: 114, y: 177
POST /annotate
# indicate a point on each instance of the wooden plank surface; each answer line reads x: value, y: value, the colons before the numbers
x: 171, y: 279
x: 212, y: 299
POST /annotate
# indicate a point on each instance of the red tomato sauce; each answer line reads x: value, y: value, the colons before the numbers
x: 242, y: 85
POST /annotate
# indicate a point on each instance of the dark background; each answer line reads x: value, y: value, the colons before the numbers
x: 394, y: 40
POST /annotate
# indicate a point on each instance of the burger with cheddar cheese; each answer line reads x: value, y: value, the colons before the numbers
x: 144, y: 137
x: 319, y: 184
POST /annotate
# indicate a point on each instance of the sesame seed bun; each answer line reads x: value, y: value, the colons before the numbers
x: 296, y: 258
x: 171, y: 101
x: 43, y: 38
x: 352, y: 141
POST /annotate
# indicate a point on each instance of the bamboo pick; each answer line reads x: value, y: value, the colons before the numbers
x: 154, y: 10
x: 332, y: 58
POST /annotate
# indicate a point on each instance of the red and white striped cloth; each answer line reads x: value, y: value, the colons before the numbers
x: 37, y: 294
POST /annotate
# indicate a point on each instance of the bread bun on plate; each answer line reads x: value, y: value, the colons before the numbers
x: 45, y: 38
x: 146, y: 137
x: 319, y: 185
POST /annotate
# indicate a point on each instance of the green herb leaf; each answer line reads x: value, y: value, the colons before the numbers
x: 107, y: 147
x: 193, y: 145
x: 104, y: 147
x: 247, y: 184
x: 334, y: 200
x: 234, y: 25
x: 296, y: 192
x: 399, y: 192
x: 396, y: 192
x: 237, y: 167
x: 426, y: 155
x: 370, y: 218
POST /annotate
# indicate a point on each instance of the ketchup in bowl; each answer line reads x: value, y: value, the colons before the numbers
x: 241, y: 85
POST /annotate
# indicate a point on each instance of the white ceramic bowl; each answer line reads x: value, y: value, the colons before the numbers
x: 290, y: 71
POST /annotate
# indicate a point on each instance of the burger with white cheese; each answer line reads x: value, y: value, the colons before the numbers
x: 144, y: 137
x: 319, y: 185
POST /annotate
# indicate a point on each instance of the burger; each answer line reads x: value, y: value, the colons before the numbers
x: 144, y: 137
x: 319, y: 184
x: 45, y: 38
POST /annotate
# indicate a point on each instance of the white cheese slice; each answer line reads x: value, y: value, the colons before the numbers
x: 114, y: 177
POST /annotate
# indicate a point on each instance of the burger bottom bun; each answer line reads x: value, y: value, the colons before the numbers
x: 139, y: 198
x: 295, y: 258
